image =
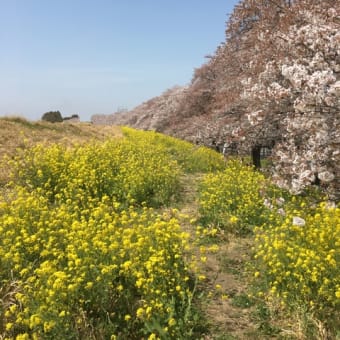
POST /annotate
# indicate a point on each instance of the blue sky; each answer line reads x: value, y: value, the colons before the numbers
x: 95, y: 56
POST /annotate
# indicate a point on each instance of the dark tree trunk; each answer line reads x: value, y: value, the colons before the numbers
x: 256, y: 156
x: 317, y: 181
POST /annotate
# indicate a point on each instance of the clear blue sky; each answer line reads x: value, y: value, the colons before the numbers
x: 94, y: 56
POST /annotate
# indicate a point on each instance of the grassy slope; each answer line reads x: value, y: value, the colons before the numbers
x: 19, y: 133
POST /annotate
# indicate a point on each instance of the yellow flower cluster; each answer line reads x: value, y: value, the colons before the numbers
x: 297, y: 247
x: 232, y: 199
x: 298, y: 256
x: 132, y: 172
x: 191, y: 158
x: 90, y: 257
x: 109, y: 266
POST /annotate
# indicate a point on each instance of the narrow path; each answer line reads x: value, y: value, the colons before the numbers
x: 228, y: 309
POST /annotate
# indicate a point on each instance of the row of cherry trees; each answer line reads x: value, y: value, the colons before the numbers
x: 274, y: 82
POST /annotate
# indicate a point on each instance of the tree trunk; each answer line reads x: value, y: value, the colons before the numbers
x: 256, y: 156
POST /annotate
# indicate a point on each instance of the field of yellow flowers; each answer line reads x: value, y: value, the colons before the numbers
x: 83, y: 254
x: 92, y: 248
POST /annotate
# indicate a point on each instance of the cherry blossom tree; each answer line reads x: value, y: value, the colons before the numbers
x: 275, y: 81
x: 297, y: 96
